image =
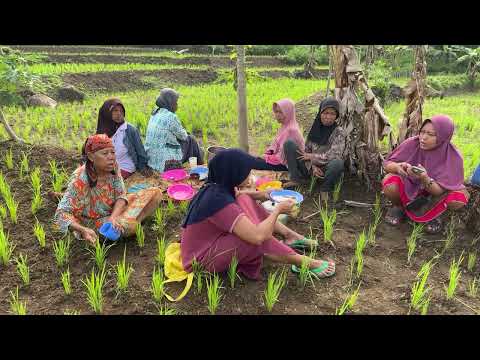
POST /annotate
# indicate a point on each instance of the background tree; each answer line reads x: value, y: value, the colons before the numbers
x: 13, y: 80
x: 365, y: 124
x: 242, y: 99
x: 414, y: 96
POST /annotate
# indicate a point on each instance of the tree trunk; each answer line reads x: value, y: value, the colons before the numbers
x: 365, y: 125
x: 414, y: 97
x: 10, y: 131
x: 242, y: 99
x: 330, y: 62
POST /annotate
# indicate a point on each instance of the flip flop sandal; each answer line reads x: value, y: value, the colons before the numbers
x: 434, y: 226
x: 302, y: 244
x: 394, y: 216
x: 319, y: 272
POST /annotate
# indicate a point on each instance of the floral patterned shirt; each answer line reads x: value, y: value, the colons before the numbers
x: 334, y: 149
x: 85, y: 205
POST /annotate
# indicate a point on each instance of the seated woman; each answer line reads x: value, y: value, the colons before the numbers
x: 425, y: 176
x: 221, y: 223
x: 167, y: 142
x: 274, y: 158
x: 129, y: 151
x: 96, y: 194
x: 323, y: 155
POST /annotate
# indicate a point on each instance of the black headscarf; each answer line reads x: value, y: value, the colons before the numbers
x: 320, y: 133
x: 105, y: 124
x: 228, y: 169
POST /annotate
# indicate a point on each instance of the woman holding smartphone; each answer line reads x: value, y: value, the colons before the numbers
x: 425, y: 176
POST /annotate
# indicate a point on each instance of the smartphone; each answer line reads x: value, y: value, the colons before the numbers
x: 417, y: 170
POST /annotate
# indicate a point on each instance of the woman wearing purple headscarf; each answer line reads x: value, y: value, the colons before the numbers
x: 425, y: 176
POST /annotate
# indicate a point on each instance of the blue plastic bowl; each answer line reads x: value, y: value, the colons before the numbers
x: 476, y: 176
x: 109, y: 231
x: 288, y: 193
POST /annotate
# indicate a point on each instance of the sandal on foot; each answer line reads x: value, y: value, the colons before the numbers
x: 434, y: 226
x: 319, y: 272
x: 303, y: 244
x: 394, y: 216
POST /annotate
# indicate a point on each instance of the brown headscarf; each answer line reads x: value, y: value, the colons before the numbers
x: 93, y: 144
x: 105, y: 124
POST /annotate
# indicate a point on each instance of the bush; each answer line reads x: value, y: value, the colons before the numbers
x: 298, y: 55
x: 269, y: 50
x: 380, y: 79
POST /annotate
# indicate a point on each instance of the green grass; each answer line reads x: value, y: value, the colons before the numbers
x: 161, y: 248
x: 99, y: 253
x: 213, y: 292
x: 157, y: 286
x: 210, y: 107
x: 454, y: 278
x: 39, y: 233
x: 123, y: 272
x: 6, y: 247
x: 419, y: 297
x: 232, y: 271
x: 140, y: 236
x: 415, y: 235
x: 16, y: 306
x: 349, y: 302
x: 65, y: 279
x: 61, y: 251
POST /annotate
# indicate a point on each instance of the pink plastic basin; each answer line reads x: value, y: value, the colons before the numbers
x: 174, y: 175
x: 180, y: 191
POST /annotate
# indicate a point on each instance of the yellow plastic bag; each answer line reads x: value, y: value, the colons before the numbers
x: 174, y: 270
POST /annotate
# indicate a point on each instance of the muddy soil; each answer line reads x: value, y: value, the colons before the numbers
x: 385, y: 283
x: 122, y: 81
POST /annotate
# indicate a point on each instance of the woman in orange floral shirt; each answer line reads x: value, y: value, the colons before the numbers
x: 96, y: 194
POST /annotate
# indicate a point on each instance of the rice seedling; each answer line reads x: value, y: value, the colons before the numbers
x: 140, y: 235
x: 197, y: 269
x: 349, y: 302
x: 424, y: 308
x: 23, y: 269
x: 12, y: 207
x: 159, y: 221
x: 123, y: 272
x: 4, y: 187
x: 275, y: 283
x: 99, y: 253
x: 39, y: 234
x: 3, y: 212
x: 304, y: 273
x: 17, y: 307
x: 377, y: 216
x: 450, y: 234
x: 24, y: 166
x: 359, y: 247
x: 157, y: 285
x: 213, y: 292
x: 416, y: 234
x: 59, y: 181
x: 165, y: 310
x: 472, y: 259
x: 420, y: 290
x: 454, y: 277
x: 6, y: 248
x: 8, y: 159
x: 94, y: 286
x: 161, y: 248
x: 61, y: 251
x: 472, y: 288
x: 337, y: 189
x: 328, y: 223
x: 313, y: 181
x: 65, y: 279
x: 36, y: 186
x: 183, y: 207
x: 232, y: 271
x: 170, y: 208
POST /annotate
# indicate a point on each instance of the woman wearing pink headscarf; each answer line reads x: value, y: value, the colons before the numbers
x: 274, y: 157
x: 425, y: 176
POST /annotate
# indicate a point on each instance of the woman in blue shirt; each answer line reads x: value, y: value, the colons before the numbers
x: 168, y: 144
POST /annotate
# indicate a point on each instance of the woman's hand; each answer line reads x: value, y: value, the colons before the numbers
x: 89, y: 235
x: 116, y: 225
x: 317, y: 171
x: 402, y: 168
x: 421, y: 176
x: 304, y: 155
x: 286, y: 206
